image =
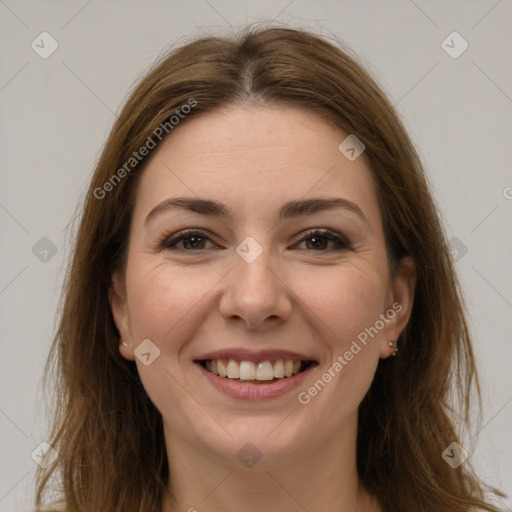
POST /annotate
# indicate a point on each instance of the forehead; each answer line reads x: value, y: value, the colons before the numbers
x: 254, y: 159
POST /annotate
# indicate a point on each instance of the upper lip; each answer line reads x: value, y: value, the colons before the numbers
x: 254, y: 355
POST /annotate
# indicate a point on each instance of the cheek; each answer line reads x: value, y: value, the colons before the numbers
x: 164, y: 306
x: 338, y: 301
x: 345, y: 301
x: 331, y: 306
x: 161, y: 297
x: 348, y: 304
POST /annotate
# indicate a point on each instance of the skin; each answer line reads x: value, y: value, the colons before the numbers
x: 294, y: 296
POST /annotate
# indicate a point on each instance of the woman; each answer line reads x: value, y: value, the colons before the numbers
x: 261, y: 312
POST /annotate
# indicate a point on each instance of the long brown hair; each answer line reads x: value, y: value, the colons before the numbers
x: 108, y: 434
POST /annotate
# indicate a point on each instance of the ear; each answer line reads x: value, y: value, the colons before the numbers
x: 117, y: 299
x: 399, y: 304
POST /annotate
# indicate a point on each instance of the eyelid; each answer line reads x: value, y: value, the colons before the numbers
x: 338, y: 239
x: 175, y: 238
x: 169, y: 242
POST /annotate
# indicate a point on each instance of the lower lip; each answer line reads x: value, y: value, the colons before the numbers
x: 252, y: 391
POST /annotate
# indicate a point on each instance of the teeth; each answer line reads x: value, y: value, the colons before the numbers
x: 233, y: 370
x: 222, y: 368
x: 264, y: 371
x: 279, y: 369
x: 248, y: 370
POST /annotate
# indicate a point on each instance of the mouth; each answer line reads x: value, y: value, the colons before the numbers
x: 249, y: 375
x: 255, y: 372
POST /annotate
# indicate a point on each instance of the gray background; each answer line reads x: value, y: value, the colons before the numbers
x: 56, y: 113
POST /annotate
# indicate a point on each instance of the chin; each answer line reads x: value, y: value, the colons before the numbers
x: 260, y: 442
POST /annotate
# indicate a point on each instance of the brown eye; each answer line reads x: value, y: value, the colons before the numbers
x: 317, y: 240
x: 320, y: 239
x: 192, y: 241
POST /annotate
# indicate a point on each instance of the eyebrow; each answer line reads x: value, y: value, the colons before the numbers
x: 291, y: 209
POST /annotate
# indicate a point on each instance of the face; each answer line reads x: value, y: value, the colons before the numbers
x: 261, y: 286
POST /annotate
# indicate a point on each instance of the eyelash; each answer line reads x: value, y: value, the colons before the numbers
x: 169, y: 242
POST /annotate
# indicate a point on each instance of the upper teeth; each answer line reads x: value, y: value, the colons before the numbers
x: 249, y: 370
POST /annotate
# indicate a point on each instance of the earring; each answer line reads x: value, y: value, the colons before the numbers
x: 393, y: 345
x: 124, y: 343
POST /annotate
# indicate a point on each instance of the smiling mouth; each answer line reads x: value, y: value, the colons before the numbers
x: 263, y: 372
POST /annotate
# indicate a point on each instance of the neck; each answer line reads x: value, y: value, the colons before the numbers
x: 323, y: 479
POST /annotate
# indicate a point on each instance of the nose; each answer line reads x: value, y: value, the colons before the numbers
x: 256, y: 293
